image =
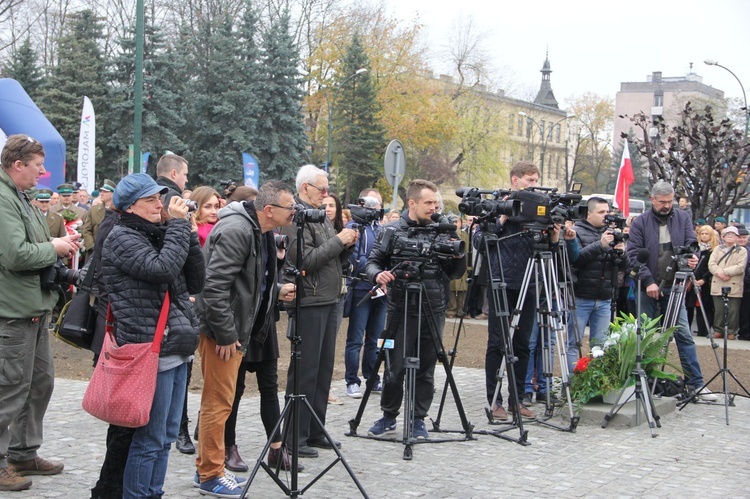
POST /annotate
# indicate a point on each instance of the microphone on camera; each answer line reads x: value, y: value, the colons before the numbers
x: 442, y: 224
x: 643, y: 256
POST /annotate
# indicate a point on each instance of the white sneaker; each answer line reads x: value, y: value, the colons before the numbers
x: 707, y: 395
x: 353, y: 391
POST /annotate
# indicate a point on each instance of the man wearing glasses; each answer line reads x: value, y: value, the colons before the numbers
x: 660, y: 230
x: 324, y: 252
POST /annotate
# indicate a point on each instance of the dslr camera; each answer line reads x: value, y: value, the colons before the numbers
x: 304, y: 215
x: 57, y: 275
x: 617, y: 224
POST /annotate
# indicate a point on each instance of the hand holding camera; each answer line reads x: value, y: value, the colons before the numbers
x: 348, y: 236
x: 178, y: 208
x: 67, y: 246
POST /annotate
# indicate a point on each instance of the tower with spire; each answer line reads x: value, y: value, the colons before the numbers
x: 546, y: 97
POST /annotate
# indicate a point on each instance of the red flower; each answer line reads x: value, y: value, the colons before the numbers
x: 582, y: 364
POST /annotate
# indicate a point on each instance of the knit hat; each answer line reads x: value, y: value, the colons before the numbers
x: 134, y: 187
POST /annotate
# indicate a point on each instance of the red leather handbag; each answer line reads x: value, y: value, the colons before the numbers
x: 121, y: 390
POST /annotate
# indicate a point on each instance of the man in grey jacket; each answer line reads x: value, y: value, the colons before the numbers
x: 323, y: 254
x: 237, y: 284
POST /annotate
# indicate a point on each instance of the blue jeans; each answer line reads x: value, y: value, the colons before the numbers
x: 365, y: 322
x: 149, y: 452
x: 595, y: 314
x: 691, y: 369
x: 536, y: 356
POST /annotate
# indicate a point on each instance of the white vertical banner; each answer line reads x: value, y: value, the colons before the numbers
x: 86, y: 147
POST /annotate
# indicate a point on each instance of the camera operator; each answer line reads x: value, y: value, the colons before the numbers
x: 324, y: 253
x: 601, y: 255
x: 26, y: 373
x: 660, y: 230
x: 515, y: 254
x: 365, y: 321
x: 421, y: 196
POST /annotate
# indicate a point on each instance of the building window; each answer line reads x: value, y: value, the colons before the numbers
x: 541, y: 130
x: 557, y: 134
x: 658, y: 99
x: 549, y: 133
x: 510, y: 125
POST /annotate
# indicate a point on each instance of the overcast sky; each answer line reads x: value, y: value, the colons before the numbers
x: 596, y: 44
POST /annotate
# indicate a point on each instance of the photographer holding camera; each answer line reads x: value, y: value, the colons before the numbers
x: 664, y: 231
x: 323, y: 254
x: 26, y: 374
x: 602, y: 253
x: 433, y: 271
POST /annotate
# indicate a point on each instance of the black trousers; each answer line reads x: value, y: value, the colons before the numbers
x: 408, y: 343
x: 266, y: 373
x: 109, y: 485
x: 521, y: 339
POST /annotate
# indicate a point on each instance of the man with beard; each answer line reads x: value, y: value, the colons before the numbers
x: 660, y: 230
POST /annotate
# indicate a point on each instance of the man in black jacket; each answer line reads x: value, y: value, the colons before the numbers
x: 422, y: 201
x: 597, y: 260
x: 323, y: 254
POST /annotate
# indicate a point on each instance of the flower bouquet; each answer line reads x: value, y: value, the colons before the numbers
x: 608, y: 367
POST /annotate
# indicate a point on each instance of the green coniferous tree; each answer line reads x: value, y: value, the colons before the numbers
x: 78, y: 73
x: 360, y: 143
x: 23, y: 68
x: 162, y: 104
x: 222, y: 102
x: 281, y: 141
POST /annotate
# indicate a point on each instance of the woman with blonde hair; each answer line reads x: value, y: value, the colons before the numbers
x: 207, y: 213
x: 708, y: 239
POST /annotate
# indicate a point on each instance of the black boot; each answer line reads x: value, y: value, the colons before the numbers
x: 184, y: 444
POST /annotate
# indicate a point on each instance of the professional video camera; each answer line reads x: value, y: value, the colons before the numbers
x: 422, y: 243
x: 363, y: 215
x: 617, y: 224
x: 682, y: 254
x: 474, y: 204
x: 58, y: 274
x: 304, y: 215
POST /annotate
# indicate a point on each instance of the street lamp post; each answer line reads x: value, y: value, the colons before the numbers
x: 330, y: 113
x: 545, y: 138
x: 711, y: 62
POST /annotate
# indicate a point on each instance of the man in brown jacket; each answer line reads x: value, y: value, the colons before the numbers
x: 96, y: 215
x: 55, y: 222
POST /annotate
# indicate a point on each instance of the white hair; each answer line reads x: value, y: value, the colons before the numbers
x: 307, y: 175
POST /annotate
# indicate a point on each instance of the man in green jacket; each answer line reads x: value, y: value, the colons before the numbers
x: 26, y: 370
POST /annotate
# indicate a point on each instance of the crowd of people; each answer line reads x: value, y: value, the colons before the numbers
x: 227, y: 265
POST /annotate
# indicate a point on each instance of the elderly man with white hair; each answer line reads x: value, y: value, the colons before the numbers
x: 323, y: 255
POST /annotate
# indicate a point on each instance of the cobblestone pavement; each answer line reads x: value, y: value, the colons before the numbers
x: 695, y: 454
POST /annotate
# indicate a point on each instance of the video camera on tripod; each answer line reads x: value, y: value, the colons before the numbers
x: 536, y: 208
x: 617, y: 225
x: 363, y: 215
x: 425, y: 243
x: 682, y: 254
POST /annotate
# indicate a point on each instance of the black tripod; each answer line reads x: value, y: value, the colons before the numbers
x: 500, y: 310
x: 643, y: 396
x: 541, y: 266
x: 294, y: 404
x: 408, y: 281
x: 723, y: 369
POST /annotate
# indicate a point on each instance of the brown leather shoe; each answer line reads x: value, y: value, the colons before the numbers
x: 281, y: 454
x: 526, y: 413
x: 36, y: 466
x: 233, y: 461
x: 499, y: 413
x: 718, y: 335
x: 12, y: 481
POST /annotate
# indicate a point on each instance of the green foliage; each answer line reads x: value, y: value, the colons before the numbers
x: 361, y: 137
x: 281, y: 140
x: 24, y: 69
x: 609, y: 367
x: 77, y: 74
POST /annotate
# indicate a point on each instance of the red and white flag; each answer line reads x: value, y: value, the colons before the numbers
x: 624, y: 179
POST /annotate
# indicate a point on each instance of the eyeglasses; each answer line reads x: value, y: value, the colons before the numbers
x: 290, y: 208
x: 323, y: 190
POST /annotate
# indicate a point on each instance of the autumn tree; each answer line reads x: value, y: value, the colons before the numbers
x: 704, y: 158
x: 592, y: 158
